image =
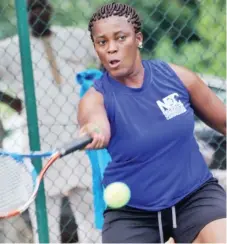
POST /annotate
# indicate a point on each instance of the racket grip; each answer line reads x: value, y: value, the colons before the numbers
x: 77, y: 144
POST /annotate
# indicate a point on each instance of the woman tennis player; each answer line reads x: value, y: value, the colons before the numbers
x: 142, y: 111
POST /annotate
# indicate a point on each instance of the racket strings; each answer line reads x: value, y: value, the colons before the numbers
x: 16, y: 184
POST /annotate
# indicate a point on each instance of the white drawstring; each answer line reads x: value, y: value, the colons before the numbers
x: 174, y: 217
x: 160, y: 227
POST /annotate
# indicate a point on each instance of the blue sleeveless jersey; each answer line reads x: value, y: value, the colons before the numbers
x: 152, y: 146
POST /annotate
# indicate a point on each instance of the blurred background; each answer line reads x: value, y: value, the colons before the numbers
x: 190, y: 33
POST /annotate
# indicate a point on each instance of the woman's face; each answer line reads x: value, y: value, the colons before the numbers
x: 116, y: 44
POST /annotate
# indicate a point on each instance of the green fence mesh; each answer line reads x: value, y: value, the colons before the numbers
x: 190, y: 33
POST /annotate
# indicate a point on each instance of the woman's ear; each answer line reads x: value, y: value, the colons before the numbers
x: 139, y: 39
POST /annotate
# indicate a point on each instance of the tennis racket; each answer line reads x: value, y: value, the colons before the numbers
x: 19, y: 181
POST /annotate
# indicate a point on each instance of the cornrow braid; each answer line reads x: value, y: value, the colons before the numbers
x: 116, y: 9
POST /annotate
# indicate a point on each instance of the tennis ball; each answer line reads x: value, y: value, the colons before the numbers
x: 117, y: 195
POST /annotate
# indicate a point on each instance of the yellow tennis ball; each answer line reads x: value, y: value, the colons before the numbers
x: 117, y: 195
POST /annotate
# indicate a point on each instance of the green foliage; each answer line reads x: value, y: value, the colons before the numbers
x: 209, y: 54
x: 74, y: 13
x: 161, y: 19
x: 7, y: 18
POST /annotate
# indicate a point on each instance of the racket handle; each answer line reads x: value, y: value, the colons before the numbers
x: 77, y: 144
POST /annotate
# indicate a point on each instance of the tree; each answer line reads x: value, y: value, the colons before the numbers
x: 161, y: 19
x: 7, y: 18
x: 209, y: 54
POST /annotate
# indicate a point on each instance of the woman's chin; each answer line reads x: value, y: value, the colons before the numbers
x: 119, y: 73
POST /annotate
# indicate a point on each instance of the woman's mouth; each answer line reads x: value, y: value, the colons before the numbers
x: 114, y: 63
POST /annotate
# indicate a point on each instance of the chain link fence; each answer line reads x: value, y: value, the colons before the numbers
x: 186, y: 32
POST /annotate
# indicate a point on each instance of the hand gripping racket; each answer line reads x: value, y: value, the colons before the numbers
x: 19, y: 181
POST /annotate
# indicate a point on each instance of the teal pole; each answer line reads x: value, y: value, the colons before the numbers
x: 31, y: 110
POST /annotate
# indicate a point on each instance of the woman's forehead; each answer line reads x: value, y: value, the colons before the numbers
x: 111, y: 25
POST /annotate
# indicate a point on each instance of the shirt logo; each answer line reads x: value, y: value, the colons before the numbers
x: 171, y: 106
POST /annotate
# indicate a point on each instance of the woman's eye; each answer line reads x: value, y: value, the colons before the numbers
x: 101, y: 43
x: 122, y: 38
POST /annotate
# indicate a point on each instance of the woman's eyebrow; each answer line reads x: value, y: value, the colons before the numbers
x: 114, y: 33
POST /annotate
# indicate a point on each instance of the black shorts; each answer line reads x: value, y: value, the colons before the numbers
x: 130, y: 225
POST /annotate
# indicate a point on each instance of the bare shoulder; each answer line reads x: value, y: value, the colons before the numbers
x: 188, y: 77
x: 91, y: 97
x: 205, y: 102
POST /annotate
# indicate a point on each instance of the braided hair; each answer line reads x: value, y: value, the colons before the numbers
x: 39, y: 15
x: 116, y: 9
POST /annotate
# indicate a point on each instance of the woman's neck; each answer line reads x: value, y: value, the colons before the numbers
x: 135, y: 78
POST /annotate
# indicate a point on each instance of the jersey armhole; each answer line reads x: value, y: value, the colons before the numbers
x: 174, y: 74
x: 97, y: 85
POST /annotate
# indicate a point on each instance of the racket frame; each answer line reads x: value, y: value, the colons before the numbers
x: 78, y: 144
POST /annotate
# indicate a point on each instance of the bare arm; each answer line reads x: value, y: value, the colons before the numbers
x: 93, y: 119
x: 208, y: 107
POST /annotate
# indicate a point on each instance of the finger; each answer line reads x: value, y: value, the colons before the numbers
x: 89, y: 128
x: 95, y: 133
x: 94, y: 143
x: 101, y: 141
x: 82, y: 131
x: 85, y: 130
x: 97, y: 142
x: 171, y: 240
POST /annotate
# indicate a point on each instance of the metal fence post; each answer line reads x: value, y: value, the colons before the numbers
x: 30, y: 101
